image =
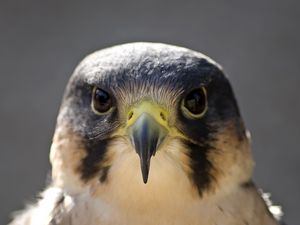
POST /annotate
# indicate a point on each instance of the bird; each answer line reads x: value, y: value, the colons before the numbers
x: 150, y: 134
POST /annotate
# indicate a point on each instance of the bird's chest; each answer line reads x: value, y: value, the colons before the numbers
x: 140, y: 211
x: 137, y: 212
x: 169, y: 197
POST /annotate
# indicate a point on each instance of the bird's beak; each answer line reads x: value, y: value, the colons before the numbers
x: 146, y: 134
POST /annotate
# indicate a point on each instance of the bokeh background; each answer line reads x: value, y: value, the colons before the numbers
x: 257, y: 42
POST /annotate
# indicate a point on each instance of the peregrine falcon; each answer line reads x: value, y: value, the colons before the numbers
x: 150, y: 134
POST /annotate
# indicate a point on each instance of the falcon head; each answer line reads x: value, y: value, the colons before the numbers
x: 150, y: 116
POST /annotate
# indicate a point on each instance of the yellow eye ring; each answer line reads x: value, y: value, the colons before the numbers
x: 102, y: 102
x: 195, y: 104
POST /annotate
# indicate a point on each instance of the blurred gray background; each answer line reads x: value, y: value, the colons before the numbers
x: 257, y: 42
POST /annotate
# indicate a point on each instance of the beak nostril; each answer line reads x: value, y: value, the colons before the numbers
x: 162, y: 116
x: 130, y: 115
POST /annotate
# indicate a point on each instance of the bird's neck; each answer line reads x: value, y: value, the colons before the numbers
x: 169, y: 197
x: 242, y: 206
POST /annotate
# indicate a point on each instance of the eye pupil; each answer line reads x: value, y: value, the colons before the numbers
x: 101, y: 96
x: 195, y: 101
x: 101, y: 100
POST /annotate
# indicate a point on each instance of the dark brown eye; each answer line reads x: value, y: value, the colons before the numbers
x: 195, y: 103
x: 101, y: 102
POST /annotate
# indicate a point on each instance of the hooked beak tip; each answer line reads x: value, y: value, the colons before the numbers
x: 146, y: 137
x: 145, y: 179
x: 145, y: 170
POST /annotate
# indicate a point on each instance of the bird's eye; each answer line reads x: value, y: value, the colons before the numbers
x: 101, y: 101
x: 195, y: 103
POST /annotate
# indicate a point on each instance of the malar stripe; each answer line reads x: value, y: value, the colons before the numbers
x: 95, y: 156
x: 200, y: 165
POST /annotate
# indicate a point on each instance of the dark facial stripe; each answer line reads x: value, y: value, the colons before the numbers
x: 200, y: 165
x: 104, y: 172
x: 91, y: 164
